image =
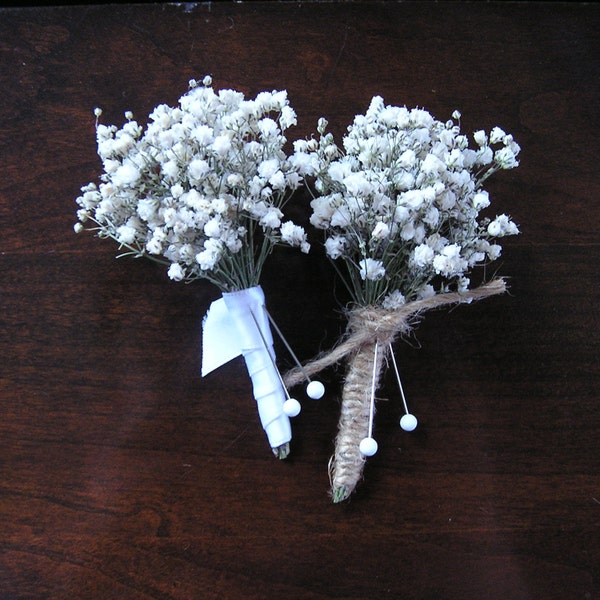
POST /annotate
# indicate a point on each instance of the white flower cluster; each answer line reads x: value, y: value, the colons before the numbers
x: 202, y: 188
x: 401, y: 203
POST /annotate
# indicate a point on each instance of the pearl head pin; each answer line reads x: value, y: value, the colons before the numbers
x: 368, y: 446
x: 291, y: 407
x: 314, y: 389
x: 408, y: 422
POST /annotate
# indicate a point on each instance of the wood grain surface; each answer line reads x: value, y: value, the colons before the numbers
x: 124, y: 474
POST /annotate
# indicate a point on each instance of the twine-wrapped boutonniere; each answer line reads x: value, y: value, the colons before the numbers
x: 403, y: 211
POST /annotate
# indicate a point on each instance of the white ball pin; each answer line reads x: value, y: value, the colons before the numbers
x: 408, y: 422
x: 368, y: 446
x: 315, y: 390
x: 291, y: 407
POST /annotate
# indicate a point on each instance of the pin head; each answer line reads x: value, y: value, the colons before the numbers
x: 368, y: 446
x: 291, y: 407
x: 315, y: 390
x: 408, y: 422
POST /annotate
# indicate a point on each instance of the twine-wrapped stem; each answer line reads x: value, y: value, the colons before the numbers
x: 366, y: 327
x: 365, y: 368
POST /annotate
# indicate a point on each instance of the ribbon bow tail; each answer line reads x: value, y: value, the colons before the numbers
x: 220, y: 340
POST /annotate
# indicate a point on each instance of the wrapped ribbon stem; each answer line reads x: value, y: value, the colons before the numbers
x: 238, y: 324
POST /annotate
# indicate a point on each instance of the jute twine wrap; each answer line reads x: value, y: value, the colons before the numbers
x: 367, y: 327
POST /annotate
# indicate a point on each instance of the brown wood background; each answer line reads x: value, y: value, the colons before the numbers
x: 123, y: 474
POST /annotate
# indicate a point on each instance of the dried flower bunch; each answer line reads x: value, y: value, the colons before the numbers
x: 202, y: 188
x: 400, y: 204
x: 401, y: 208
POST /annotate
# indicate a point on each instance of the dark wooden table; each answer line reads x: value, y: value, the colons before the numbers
x: 124, y: 474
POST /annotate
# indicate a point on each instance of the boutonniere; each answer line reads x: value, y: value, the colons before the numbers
x: 201, y: 190
x: 406, y: 220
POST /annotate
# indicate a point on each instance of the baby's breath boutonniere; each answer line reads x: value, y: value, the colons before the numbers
x: 406, y: 220
x: 201, y: 190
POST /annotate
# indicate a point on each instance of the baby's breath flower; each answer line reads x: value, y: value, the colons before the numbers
x: 505, y: 158
x: 450, y: 262
x: 127, y: 175
x: 126, y: 234
x: 425, y: 291
x: 287, y: 117
x: 272, y: 219
x: 502, y: 226
x: 496, y: 135
x: 422, y: 255
x: 294, y: 235
x: 481, y: 200
x: 335, y: 246
x: 380, y: 231
x: 394, y: 300
x: 480, y: 137
x: 371, y: 269
x: 176, y: 272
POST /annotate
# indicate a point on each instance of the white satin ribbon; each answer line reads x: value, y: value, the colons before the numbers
x: 230, y: 328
